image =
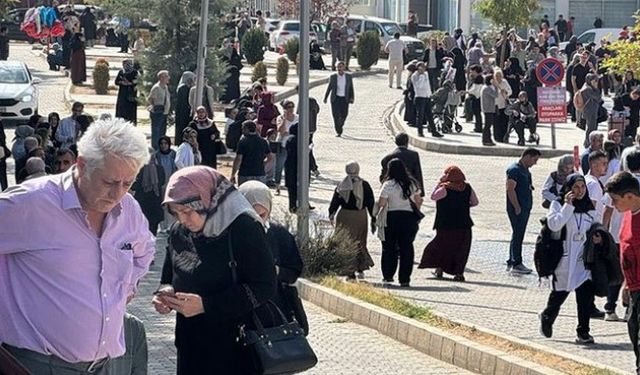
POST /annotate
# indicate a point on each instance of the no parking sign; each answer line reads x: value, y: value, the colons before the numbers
x: 552, y: 106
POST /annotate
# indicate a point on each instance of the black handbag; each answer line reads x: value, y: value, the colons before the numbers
x: 275, y: 350
x: 221, y: 149
x: 416, y: 210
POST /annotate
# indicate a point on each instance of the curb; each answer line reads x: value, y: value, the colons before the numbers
x: 432, y: 341
x: 436, y: 343
x: 396, y: 124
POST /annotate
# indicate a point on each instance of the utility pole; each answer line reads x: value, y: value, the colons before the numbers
x: 303, y: 125
x: 202, y: 52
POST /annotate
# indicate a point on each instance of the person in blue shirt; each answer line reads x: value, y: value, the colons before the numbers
x: 596, y: 140
x: 519, y: 204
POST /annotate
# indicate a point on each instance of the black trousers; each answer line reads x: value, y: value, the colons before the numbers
x: 489, y: 120
x: 339, y: 111
x: 4, y: 184
x: 313, y: 165
x: 292, y: 191
x: 561, y: 35
x: 584, y: 298
x: 423, y: 114
x: 476, y: 109
x: 434, y: 77
x: 633, y: 326
x: 399, y: 234
x: 500, y: 126
x: 520, y: 125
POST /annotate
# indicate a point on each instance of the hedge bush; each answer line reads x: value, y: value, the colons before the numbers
x: 368, y: 49
x: 259, y: 71
x: 292, y: 49
x: 282, y: 70
x: 253, y: 44
x: 101, y: 77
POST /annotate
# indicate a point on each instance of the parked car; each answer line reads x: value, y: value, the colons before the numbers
x: 285, y: 31
x: 18, y: 92
x: 594, y: 36
x: 12, y: 22
x: 321, y: 31
x: 386, y: 29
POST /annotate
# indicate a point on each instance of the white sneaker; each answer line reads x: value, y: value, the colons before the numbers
x: 611, y: 317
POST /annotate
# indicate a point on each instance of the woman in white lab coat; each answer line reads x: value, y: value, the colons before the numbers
x: 575, y: 212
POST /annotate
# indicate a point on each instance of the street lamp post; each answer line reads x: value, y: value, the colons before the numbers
x: 202, y: 52
x: 303, y: 125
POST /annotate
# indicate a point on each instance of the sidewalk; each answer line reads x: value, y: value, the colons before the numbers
x: 490, y: 298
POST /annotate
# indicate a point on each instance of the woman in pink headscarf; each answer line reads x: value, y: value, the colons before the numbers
x: 214, y: 222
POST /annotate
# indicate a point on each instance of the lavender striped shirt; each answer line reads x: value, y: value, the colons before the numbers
x: 64, y: 289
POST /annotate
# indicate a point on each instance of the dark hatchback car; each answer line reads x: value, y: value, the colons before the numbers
x: 12, y: 22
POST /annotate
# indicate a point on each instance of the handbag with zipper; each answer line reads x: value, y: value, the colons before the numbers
x: 282, y: 349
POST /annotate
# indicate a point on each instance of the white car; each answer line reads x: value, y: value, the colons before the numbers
x: 594, y: 36
x: 285, y: 31
x: 18, y: 92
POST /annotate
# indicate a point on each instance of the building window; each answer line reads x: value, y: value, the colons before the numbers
x: 361, y: 2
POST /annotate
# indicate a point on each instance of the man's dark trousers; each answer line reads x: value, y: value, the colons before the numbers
x: 518, y: 228
x: 634, y: 326
x: 339, y: 111
x: 423, y: 114
x: 434, y: 77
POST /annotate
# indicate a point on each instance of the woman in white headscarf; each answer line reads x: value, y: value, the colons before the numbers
x: 354, y: 197
x: 286, y: 254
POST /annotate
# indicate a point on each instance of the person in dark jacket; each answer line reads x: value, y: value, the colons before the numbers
x: 127, y: 102
x: 88, y: 23
x: 291, y: 168
x: 183, y: 108
x: 148, y: 191
x: 234, y: 66
x: 4, y: 43
x: 433, y: 60
x: 286, y: 254
x: 410, y: 158
x: 354, y: 198
x: 209, y: 142
x: 215, y: 222
x: 602, y: 259
x: 514, y: 73
x: 448, y: 252
x: 409, y: 95
x: 78, y: 62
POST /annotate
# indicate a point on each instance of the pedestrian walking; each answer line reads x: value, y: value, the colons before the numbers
x: 351, y: 201
x: 562, y: 27
x: 399, y: 203
x: 147, y: 190
x: 215, y: 223
x: 490, y: 93
x: 286, y: 255
x: 473, y: 102
x: 127, y: 82
x: 209, y: 141
x: 267, y: 114
x: 347, y: 42
x: 396, y: 50
x: 183, y: 107
x: 573, y: 214
x: 80, y: 205
x: 624, y: 190
x: 592, y: 98
x: 502, y: 101
x: 188, y: 153
x: 159, y: 101
x: 422, y: 101
x: 433, y: 60
x: 335, y: 37
x: 284, y: 123
x: 449, y: 251
x: 410, y: 158
x: 252, y: 153
x: 78, y: 62
x: 519, y: 205
x: 234, y: 65
x: 341, y: 91
x: 88, y: 24
x: 291, y: 167
x: 409, y: 95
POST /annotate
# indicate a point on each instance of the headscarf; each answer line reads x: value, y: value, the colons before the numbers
x: 187, y: 78
x: 188, y: 134
x: 210, y: 194
x: 150, y: 181
x: 583, y: 205
x: 166, y: 139
x: 127, y: 65
x: 612, y: 132
x: 203, y: 123
x: 352, y: 184
x: 453, y: 179
x: 257, y: 193
x: 515, y: 67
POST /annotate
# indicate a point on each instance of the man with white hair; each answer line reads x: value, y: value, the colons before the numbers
x: 159, y: 101
x: 66, y: 279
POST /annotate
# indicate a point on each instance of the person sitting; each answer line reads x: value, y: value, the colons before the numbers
x: 54, y: 58
x: 522, y: 114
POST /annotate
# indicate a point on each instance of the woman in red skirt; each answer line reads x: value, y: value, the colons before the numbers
x: 449, y: 250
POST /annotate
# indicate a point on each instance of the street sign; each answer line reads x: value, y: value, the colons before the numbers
x: 552, y: 107
x: 550, y: 72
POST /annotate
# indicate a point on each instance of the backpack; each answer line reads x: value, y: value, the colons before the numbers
x: 549, y: 250
x: 578, y: 100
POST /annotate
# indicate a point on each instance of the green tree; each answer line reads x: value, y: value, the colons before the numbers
x: 5, y: 6
x: 507, y: 14
x: 626, y: 54
x: 173, y: 46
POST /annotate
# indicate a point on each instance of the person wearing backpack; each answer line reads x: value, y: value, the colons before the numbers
x: 587, y: 103
x: 573, y: 211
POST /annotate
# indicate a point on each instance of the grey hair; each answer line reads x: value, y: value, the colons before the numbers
x: 117, y: 138
x: 594, y: 135
x: 565, y: 160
